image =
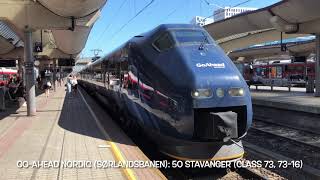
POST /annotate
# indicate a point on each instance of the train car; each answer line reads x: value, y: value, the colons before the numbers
x: 6, y: 75
x: 179, y: 87
x: 279, y: 73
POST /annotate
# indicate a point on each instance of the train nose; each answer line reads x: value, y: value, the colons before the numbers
x: 214, y: 75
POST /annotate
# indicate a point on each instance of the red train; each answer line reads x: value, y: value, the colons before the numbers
x: 6, y: 75
x: 279, y: 73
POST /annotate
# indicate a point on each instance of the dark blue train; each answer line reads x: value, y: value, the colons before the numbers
x: 178, y: 85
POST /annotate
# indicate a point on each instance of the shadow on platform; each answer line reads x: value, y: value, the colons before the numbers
x: 76, y: 117
x: 12, y: 106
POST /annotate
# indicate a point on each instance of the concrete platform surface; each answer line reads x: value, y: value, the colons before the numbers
x: 296, y: 100
x: 65, y: 131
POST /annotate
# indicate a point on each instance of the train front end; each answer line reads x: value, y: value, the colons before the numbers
x: 212, y: 107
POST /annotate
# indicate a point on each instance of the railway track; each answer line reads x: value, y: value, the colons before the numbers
x: 270, y: 141
x: 292, y: 134
x: 257, y: 153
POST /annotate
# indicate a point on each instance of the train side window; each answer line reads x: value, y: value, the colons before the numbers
x: 163, y: 43
x: 309, y: 70
x: 279, y: 72
x: 258, y: 71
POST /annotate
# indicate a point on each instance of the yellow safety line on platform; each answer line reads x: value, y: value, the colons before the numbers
x: 114, y: 148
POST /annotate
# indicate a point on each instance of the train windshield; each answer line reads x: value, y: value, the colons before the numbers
x: 191, y: 37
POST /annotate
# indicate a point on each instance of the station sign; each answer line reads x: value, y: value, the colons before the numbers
x: 38, y: 47
x: 8, y: 63
x: 66, y: 62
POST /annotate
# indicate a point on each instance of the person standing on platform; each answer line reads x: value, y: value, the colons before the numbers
x: 47, y: 87
x: 74, y: 84
x: 59, y: 80
x: 39, y: 82
x: 69, y: 80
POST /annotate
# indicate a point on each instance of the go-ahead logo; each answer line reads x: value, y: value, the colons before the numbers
x: 213, y: 65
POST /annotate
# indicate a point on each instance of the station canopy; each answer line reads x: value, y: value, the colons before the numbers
x: 62, y: 27
x: 302, y: 48
x: 295, y: 18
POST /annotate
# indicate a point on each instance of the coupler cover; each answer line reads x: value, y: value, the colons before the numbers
x: 218, y: 126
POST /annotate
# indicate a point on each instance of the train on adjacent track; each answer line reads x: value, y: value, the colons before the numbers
x: 177, y: 85
x: 279, y: 73
x: 6, y: 75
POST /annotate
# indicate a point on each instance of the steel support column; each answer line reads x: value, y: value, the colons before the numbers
x: 29, y: 74
x: 317, y: 68
x: 54, y: 78
x: 60, y: 74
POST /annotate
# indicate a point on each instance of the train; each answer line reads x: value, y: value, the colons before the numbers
x: 177, y: 86
x: 6, y: 75
x: 279, y: 73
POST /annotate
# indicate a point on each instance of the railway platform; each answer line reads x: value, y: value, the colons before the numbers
x: 295, y: 109
x: 67, y: 129
x: 296, y: 100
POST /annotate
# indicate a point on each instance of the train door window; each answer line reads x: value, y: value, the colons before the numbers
x: 163, y: 43
x: 263, y: 72
x: 279, y: 72
x: 273, y: 72
x: 259, y: 71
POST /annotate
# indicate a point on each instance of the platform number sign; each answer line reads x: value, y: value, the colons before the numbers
x: 38, y: 47
x: 66, y: 62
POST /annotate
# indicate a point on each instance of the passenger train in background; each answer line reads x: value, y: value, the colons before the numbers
x: 6, y: 75
x: 279, y: 73
x: 179, y: 87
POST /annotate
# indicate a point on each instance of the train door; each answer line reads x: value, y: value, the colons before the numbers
x: 273, y: 72
x: 279, y: 72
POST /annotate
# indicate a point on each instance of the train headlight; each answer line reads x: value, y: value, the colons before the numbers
x: 220, y: 92
x: 195, y: 94
x: 236, y: 92
x: 201, y: 93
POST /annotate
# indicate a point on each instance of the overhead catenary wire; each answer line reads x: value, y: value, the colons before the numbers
x: 113, y: 18
x: 131, y: 19
x: 170, y: 14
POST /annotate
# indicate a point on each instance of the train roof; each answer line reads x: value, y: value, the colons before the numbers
x: 8, y: 70
x: 146, y: 35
